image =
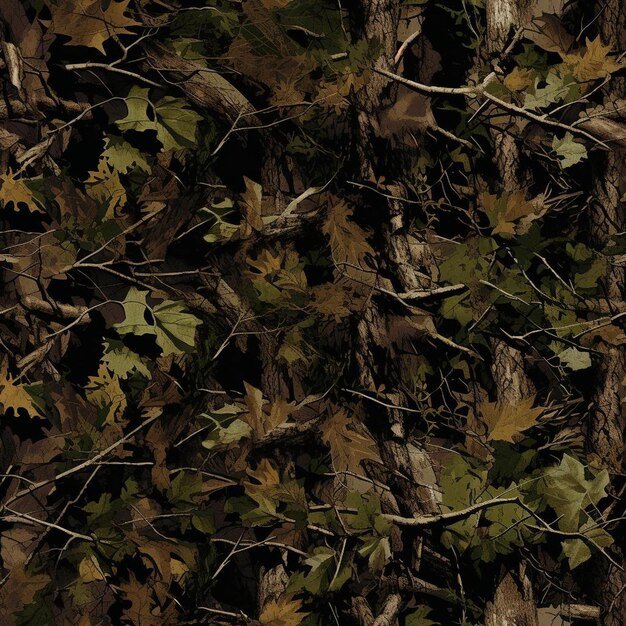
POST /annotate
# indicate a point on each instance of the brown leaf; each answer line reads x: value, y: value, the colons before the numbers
x: 14, y: 190
x: 91, y: 22
x: 284, y: 611
x: 104, y: 392
x: 251, y: 207
x: 14, y: 395
x: 347, y: 239
x: 506, y: 422
x: 593, y: 61
x: 348, y: 447
x: 263, y: 417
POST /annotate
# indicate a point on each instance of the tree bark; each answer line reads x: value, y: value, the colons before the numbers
x: 605, y: 435
x: 513, y: 602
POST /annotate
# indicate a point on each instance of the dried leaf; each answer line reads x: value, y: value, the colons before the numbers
x: 506, y: 422
x: 349, y: 444
x: 91, y: 22
x: 285, y: 611
x: 347, y: 239
x: 15, y: 395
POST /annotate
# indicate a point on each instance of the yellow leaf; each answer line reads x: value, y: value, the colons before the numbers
x: 105, y: 186
x: 266, y: 263
x: 264, y: 491
x: 512, y: 213
x: 16, y: 190
x: 104, y: 392
x: 178, y: 569
x: 87, y: 23
x: 593, y: 61
x: 519, y: 79
x: 285, y: 611
x: 14, y: 395
x: 89, y: 570
x: 506, y: 422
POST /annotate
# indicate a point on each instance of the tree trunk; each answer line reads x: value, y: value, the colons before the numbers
x: 513, y: 602
x: 605, y: 436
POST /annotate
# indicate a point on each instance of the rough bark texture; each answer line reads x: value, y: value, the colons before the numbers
x: 513, y: 602
x: 607, y: 420
x: 264, y: 339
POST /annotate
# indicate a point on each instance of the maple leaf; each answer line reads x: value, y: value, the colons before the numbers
x: 593, y: 62
x: 348, y: 448
x: 577, y: 551
x: 264, y: 417
x: 568, y: 491
x: 511, y: 213
x: 347, y: 239
x: 87, y: 23
x: 284, y: 611
x: 264, y: 491
x: 506, y: 422
x: 15, y: 395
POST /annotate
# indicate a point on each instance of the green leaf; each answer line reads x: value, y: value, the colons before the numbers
x: 379, y: 551
x: 184, y: 488
x: 122, y: 361
x: 567, y: 490
x: 323, y: 575
x: 419, y: 617
x: 203, y: 521
x: 173, y: 327
x: 575, y: 359
x: 175, y: 124
x: 555, y: 89
x: 122, y: 156
x: 578, y: 551
x: 568, y: 150
x: 224, y: 433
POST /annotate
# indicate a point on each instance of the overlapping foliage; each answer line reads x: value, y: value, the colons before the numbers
x: 190, y: 249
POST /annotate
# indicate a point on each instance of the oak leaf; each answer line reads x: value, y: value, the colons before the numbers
x: 347, y: 239
x: 15, y: 190
x: 88, y: 23
x: 15, y: 395
x: 593, y: 62
x: 348, y: 447
x: 104, y: 392
x: 104, y: 186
